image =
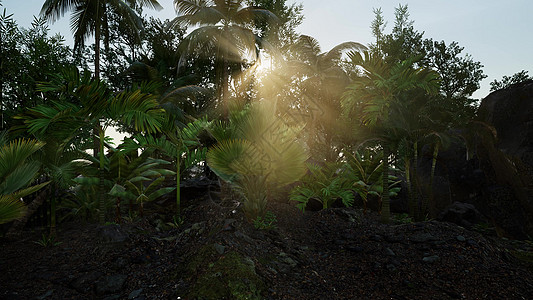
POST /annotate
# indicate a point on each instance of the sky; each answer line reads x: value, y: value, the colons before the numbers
x: 496, y: 33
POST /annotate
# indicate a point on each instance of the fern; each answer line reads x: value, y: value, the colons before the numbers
x: 324, y: 184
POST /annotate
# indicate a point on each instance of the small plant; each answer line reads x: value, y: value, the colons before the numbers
x: 131, y: 217
x: 324, y: 184
x: 48, y: 241
x: 365, y: 170
x: 402, y: 219
x: 267, y: 222
x: 177, y: 221
x: 483, y: 227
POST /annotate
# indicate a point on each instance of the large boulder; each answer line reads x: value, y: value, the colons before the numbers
x: 498, y: 179
x: 510, y: 111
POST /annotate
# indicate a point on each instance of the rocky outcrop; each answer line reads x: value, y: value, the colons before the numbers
x: 497, y: 179
x: 510, y: 111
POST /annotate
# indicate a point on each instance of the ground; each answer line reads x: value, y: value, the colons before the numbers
x: 339, y: 253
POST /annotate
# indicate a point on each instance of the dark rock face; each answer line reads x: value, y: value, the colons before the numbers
x: 498, y: 179
x: 510, y: 111
x: 462, y: 214
x: 112, y: 234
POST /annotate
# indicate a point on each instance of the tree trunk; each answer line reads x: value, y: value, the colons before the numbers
x: 101, y: 184
x: 178, y: 199
x: 416, y: 185
x: 97, y: 34
x: 385, y: 199
x: 425, y: 208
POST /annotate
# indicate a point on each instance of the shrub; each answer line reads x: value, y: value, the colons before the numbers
x: 325, y: 184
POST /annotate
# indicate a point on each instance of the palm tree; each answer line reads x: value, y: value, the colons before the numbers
x: 257, y: 154
x: 224, y: 30
x: 91, y: 16
x: 379, y: 96
x: 323, y: 82
x: 97, y: 103
x: 181, y: 144
x: 17, y: 172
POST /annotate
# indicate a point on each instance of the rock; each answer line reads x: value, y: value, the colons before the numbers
x: 422, y: 238
x: 134, y: 294
x: 395, y: 262
x: 389, y: 252
x: 45, y: 295
x: 248, y: 239
x: 313, y: 205
x: 462, y: 214
x: 284, y: 258
x: 348, y: 214
x: 196, y: 186
x: 498, y: 177
x: 471, y: 243
x: 376, y: 238
x: 353, y: 248
x: 112, y: 234
x: 84, y: 283
x: 228, y: 224
x: 349, y: 236
x: 110, y: 284
x: 354, y: 269
x: 431, y: 259
x: 393, y: 238
x: 10, y: 295
x: 460, y: 238
x: 199, y: 227
x: 219, y: 248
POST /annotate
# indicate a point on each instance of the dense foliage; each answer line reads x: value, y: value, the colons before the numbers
x: 275, y: 111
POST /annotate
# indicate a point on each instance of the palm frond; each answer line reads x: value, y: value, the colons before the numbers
x: 15, y: 154
x: 11, y: 208
x: 138, y: 108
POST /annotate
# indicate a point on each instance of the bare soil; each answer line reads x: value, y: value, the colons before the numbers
x: 339, y: 253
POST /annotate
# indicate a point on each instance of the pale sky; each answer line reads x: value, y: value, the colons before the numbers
x: 496, y: 33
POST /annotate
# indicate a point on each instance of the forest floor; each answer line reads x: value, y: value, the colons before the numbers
x: 338, y: 253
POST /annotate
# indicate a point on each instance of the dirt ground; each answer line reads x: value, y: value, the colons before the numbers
x: 339, y: 253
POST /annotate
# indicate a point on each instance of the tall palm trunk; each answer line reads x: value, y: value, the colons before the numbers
x: 97, y: 34
x: 416, y: 185
x: 178, y: 199
x: 101, y: 184
x: 431, y: 178
x: 409, y: 183
x: 385, y: 198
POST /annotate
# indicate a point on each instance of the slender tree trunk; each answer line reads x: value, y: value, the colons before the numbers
x: 118, y: 219
x: 53, y: 204
x: 97, y: 37
x: 385, y: 199
x: 223, y: 78
x: 409, y: 183
x: 101, y: 184
x: 416, y: 184
x: 432, y: 178
x: 178, y: 199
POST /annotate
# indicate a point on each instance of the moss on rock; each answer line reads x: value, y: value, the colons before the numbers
x: 228, y: 276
